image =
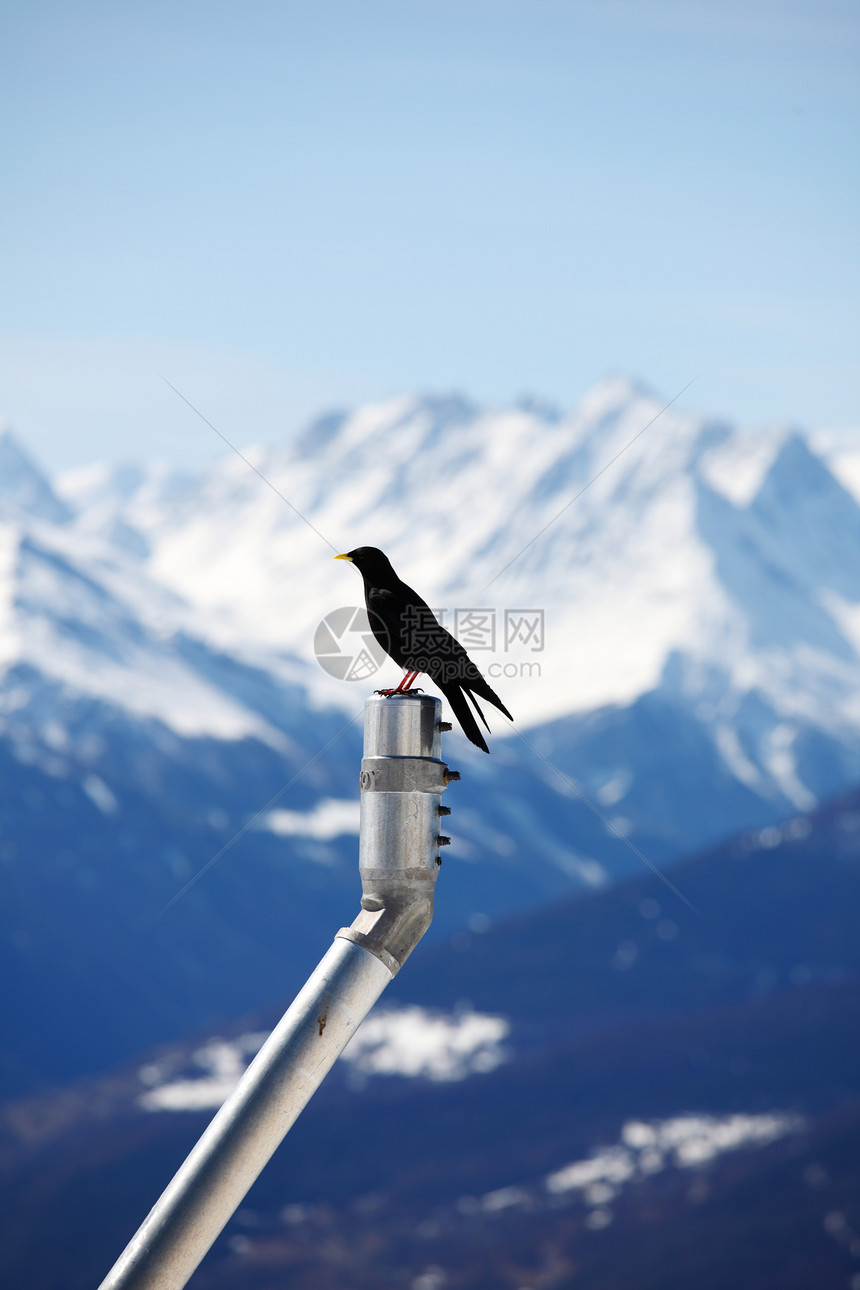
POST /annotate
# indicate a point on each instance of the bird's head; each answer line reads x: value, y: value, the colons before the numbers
x: 373, y: 564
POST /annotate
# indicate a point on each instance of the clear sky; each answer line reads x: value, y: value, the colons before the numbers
x: 286, y: 207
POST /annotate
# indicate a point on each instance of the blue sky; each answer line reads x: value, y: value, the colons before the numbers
x: 284, y: 208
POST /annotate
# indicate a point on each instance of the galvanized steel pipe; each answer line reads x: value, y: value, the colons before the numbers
x: 402, y: 781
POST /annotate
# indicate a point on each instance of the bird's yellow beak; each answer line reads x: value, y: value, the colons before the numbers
x: 344, y: 557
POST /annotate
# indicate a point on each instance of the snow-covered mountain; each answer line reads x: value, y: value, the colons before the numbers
x: 715, y: 566
x: 670, y: 607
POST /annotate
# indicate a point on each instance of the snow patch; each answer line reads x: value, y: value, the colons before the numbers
x: 686, y: 1141
x: 99, y: 793
x: 221, y: 1064
x: 412, y: 1042
x: 437, y: 1046
x: 328, y: 819
x: 841, y: 451
x: 738, y: 466
x: 780, y: 761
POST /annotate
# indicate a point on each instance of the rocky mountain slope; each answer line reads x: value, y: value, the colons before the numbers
x: 609, y: 1091
x: 668, y: 605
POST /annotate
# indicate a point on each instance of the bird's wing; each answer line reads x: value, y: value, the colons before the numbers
x: 383, y: 611
x: 418, y: 641
x: 452, y: 663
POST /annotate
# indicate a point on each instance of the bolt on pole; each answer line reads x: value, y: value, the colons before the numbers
x: 402, y: 782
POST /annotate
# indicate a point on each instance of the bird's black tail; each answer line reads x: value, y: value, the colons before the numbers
x: 461, y: 710
x: 483, y: 690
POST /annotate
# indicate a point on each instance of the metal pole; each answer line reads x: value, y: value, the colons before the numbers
x: 402, y: 781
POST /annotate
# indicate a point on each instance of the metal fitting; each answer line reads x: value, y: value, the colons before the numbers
x: 402, y: 781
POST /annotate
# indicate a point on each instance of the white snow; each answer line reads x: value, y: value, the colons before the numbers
x: 220, y: 1063
x: 504, y: 1198
x: 736, y: 468
x: 93, y: 623
x: 328, y: 819
x: 614, y: 1165
x: 414, y: 1042
x: 841, y: 449
x: 689, y: 1141
x: 411, y: 1041
x: 716, y: 563
x: 9, y: 636
x: 625, y: 575
x: 99, y: 793
x: 685, y: 1141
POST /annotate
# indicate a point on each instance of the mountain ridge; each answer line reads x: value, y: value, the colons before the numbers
x: 697, y: 672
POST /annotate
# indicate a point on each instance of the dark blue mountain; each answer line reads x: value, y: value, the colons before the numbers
x: 675, y: 1100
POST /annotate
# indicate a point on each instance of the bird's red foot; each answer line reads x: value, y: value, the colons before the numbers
x: 405, y: 686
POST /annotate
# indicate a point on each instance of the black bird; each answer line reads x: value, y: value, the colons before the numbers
x: 410, y: 633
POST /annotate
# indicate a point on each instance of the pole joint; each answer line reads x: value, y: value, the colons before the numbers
x: 402, y: 781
